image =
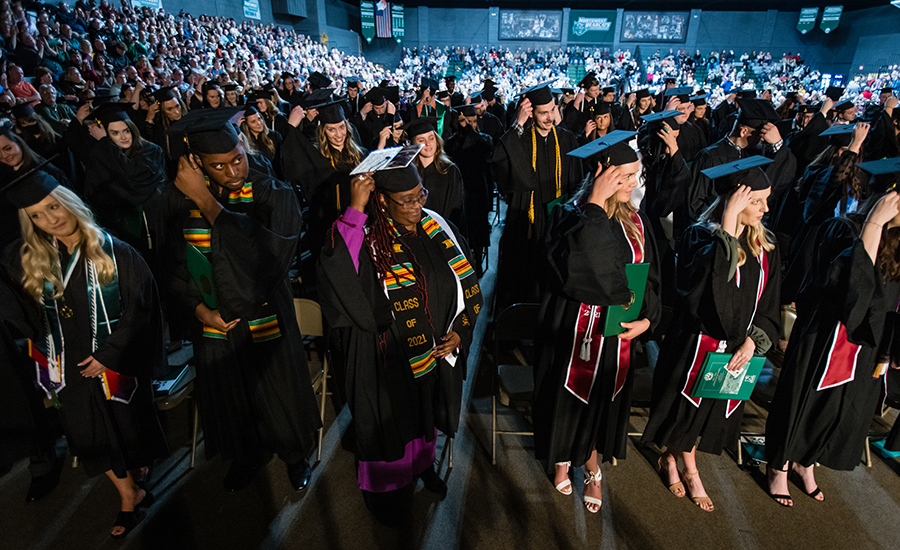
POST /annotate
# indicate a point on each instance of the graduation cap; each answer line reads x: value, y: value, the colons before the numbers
x: 598, y: 108
x: 608, y: 90
x: 642, y: 93
x: 839, y: 134
x: 331, y: 112
x: 230, y: 87
x: 671, y: 79
x: 110, y: 112
x: 168, y: 92
x: 887, y: 90
x: 253, y: 97
x: 745, y: 94
x: 487, y: 93
x: 568, y: 91
x: 557, y: 91
x: 443, y: 94
x: 844, y: 106
x: 449, y: 78
x: 287, y: 74
x: 31, y: 187
x: 352, y: 82
x: 318, y: 80
x: 756, y: 113
x: 421, y: 125
x: 376, y: 96
x: 667, y: 116
x: 589, y: 80
x: 467, y: 110
x: 475, y: 97
x: 885, y: 172
x: 250, y: 109
x: 698, y: 100
x: 204, y: 131
x: 609, y: 150
x: 683, y: 94
x: 397, y: 180
x: 268, y: 87
x: 834, y: 93
x: 209, y: 85
x: 100, y: 99
x: 809, y: 108
x: 731, y: 175
x: 392, y: 94
x: 429, y: 83
x: 539, y: 94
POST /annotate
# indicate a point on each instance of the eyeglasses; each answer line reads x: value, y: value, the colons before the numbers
x: 409, y: 204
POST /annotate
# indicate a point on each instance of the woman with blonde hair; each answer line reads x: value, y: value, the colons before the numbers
x: 728, y: 301
x: 102, y: 339
x: 582, y: 378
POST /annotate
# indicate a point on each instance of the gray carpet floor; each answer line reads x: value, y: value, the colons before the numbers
x: 510, y: 505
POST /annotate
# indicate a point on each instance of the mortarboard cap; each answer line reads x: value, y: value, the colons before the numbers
x: 568, y: 91
x: 392, y: 94
x: 839, y: 134
x: 809, y: 108
x: 352, y: 82
x: 253, y: 97
x: 318, y: 80
x: 608, y: 90
x: 668, y: 116
x: 745, y: 94
x: 589, y: 80
x: 419, y: 126
x: 844, y: 105
x: 557, y: 91
x: 204, y: 131
x: 731, y: 175
x: 331, y: 112
x: 443, y: 94
x: 110, y: 112
x: 683, y: 94
x: 231, y: 87
x: 209, y: 85
x: 449, y: 78
x: 30, y: 188
x: 834, y: 93
x: 887, y: 90
x: 287, y: 74
x: 539, y: 94
x: 488, y: 93
x: 165, y: 94
x: 397, y: 180
x: 316, y: 97
x: 429, y: 83
x: 881, y: 167
x: 756, y: 113
x: 698, y: 100
x: 375, y: 96
x: 100, y: 99
x: 671, y: 79
x: 642, y: 93
x: 467, y: 110
x: 250, y: 109
x: 598, y: 108
x: 609, y: 150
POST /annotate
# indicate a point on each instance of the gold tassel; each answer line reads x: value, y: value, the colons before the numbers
x: 531, y: 209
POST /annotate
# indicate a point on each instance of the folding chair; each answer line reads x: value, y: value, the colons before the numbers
x: 514, y: 383
x: 309, y: 318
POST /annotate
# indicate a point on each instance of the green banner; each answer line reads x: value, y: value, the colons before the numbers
x: 807, y: 20
x: 367, y: 19
x: 592, y: 25
x: 831, y: 16
x: 397, y: 22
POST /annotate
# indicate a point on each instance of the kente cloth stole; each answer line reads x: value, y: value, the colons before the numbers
x: 49, y: 354
x: 408, y: 294
x: 197, y: 233
x: 584, y: 360
x: 557, y: 171
x: 707, y: 344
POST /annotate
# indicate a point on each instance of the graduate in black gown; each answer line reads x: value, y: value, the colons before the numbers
x: 728, y: 301
x: 882, y: 141
x: 807, y: 142
x: 829, y: 386
x: 581, y: 407
x: 534, y: 172
x: 230, y: 237
x: 266, y: 142
x: 402, y: 299
x: 376, y: 114
x: 125, y: 177
x: 441, y: 178
x: 599, y: 123
x: 699, y: 118
x: 472, y: 149
x: 102, y: 338
x: 167, y: 109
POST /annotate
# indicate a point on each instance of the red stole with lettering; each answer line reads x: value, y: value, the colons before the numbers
x: 708, y: 344
x: 584, y: 361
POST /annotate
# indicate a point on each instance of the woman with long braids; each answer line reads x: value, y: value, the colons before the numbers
x: 833, y: 372
x: 404, y: 354
x: 728, y: 301
x: 102, y: 338
x: 582, y: 399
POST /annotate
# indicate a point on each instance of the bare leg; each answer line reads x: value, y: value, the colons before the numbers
x: 691, y: 478
x: 778, y: 484
x: 593, y: 489
x: 809, y: 481
x: 130, y: 493
x: 670, y: 460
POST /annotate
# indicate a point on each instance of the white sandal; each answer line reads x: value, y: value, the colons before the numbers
x: 565, y: 486
x: 590, y: 477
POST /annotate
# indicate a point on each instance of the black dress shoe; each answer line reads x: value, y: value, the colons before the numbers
x: 42, y: 486
x: 299, y: 474
x: 433, y: 482
x: 240, y: 474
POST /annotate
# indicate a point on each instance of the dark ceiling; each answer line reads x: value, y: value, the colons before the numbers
x: 672, y: 5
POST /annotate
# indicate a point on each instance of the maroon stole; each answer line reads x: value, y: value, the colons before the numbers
x: 707, y: 344
x: 840, y: 366
x: 582, y: 370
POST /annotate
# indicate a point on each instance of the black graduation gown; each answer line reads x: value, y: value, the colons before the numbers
x: 370, y: 127
x: 806, y: 144
x: 722, y: 112
x: 389, y: 406
x: 499, y: 111
x: 124, y: 191
x: 253, y: 396
x: 490, y: 125
x: 702, y: 193
x: 274, y: 158
x: 109, y: 435
x: 830, y: 426
x: 622, y: 117
x: 881, y: 143
x: 446, y: 193
x: 690, y: 140
x: 710, y: 304
x: 522, y: 241
x: 566, y: 429
x: 472, y: 152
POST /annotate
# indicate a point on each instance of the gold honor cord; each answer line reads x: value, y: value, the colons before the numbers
x: 534, y: 167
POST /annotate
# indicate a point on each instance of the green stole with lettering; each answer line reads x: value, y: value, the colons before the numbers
x: 409, y: 295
